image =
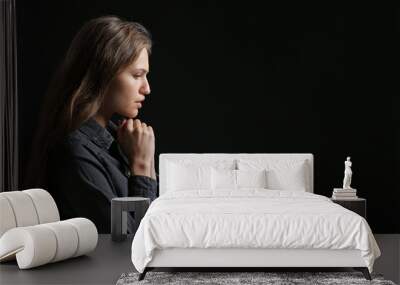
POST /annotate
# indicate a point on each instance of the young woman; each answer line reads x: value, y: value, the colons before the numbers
x: 80, y: 156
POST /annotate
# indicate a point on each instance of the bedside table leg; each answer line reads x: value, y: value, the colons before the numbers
x: 118, y: 221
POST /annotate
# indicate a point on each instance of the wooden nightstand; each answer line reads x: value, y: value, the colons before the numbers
x: 358, y: 205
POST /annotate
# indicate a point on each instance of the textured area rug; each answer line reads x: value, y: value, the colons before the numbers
x: 229, y: 278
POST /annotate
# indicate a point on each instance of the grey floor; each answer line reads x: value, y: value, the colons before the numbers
x: 102, y: 266
x: 389, y: 262
x: 110, y: 260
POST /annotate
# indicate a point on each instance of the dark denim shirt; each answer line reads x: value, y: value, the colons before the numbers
x: 88, y: 169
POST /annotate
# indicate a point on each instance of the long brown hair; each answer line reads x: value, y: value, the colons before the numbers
x: 100, y: 50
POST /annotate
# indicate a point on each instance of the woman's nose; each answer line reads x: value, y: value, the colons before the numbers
x: 146, y: 87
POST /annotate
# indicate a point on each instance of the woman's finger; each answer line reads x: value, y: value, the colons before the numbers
x: 151, y: 130
x: 136, y: 123
x: 129, y: 125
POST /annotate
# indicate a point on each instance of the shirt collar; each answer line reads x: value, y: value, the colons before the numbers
x: 103, y: 137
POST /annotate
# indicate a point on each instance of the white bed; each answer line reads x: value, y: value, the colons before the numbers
x: 268, y: 218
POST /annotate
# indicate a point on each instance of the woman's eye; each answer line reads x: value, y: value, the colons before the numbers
x: 137, y: 76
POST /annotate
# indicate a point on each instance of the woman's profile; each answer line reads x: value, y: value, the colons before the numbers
x: 80, y: 155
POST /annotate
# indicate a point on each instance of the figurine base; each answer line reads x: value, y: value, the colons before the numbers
x: 344, y: 189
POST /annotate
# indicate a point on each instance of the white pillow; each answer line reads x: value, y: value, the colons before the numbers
x: 281, y: 174
x: 188, y: 177
x: 251, y: 178
x: 290, y: 179
x: 224, y: 179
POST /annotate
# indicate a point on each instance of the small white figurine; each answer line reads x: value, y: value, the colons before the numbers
x: 347, y: 174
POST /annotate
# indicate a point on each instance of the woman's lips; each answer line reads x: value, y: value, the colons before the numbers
x: 140, y: 105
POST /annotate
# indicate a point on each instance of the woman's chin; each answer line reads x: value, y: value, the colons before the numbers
x: 133, y: 114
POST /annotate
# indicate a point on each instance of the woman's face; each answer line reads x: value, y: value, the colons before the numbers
x: 129, y: 88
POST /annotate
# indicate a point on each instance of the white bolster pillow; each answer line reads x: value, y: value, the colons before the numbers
x: 26, y: 208
x: 45, y: 205
x: 40, y: 244
x: 7, y: 218
x: 22, y: 207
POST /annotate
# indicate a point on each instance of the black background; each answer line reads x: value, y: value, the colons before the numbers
x: 250, y: 77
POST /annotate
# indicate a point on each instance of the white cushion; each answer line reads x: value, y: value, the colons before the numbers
x: 87, y: 233
x: 230, y: 180
x: 7, y: 218
x: 253, y: 178
x: 291, y: 175
x: 31, y: 232
x: 32, y: 246
x: 66, y: 237
x: 40, y: 244
x: 26, y: 208
x: 188, y: 177
x: 45, y: 205
x: 23, y: 208
x: 224, y: 179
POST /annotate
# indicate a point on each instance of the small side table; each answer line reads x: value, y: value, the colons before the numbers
x: 358, y: 205
x: 119, y: 208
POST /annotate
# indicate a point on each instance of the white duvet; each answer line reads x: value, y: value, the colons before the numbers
x: 251, y: 218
